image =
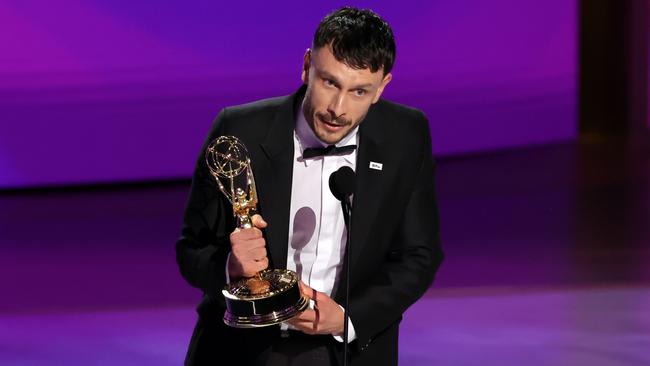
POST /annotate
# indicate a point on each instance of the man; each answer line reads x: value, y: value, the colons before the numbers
x: 395, y: 249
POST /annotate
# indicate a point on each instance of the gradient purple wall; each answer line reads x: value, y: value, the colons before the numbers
x: 101, y: 91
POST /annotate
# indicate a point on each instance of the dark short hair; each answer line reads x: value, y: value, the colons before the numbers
x: 359, y: 38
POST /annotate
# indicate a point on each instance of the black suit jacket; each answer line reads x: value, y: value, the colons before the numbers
x: 395, y: 245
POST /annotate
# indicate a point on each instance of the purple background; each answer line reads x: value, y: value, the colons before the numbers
x: 103, y: 91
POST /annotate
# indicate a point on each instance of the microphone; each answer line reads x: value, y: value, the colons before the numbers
x: 342, y: 186
x: 342, y: 183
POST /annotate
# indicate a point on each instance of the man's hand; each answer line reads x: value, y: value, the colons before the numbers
x: 248, y: 250
x: 325, y: 318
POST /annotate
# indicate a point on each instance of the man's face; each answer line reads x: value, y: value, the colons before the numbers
x: 338, y: 96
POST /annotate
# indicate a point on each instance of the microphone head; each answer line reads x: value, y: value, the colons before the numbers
x: 342, y: 182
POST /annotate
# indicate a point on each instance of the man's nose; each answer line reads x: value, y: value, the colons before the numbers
x: 336, y: 106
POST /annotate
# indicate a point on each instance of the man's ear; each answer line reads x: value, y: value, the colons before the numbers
x: 383, y: 84
x: 306, y: 63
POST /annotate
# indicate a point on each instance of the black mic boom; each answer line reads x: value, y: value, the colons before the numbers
x: 342, y: 187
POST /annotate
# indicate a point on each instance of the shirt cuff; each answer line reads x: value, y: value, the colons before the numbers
x: 352, y: 335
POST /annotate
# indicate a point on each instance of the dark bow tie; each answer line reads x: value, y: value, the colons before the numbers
x: 313, y: 152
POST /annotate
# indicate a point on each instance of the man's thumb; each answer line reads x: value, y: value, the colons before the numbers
x: 258, y: 222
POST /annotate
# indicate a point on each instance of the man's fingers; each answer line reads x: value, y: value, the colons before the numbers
x: 246, y: 234
x: 306, y: 316
x: 262, y: 264
x: 253, y: 254
x: 304, y: 327
x: 250, y: 249
x: 251, y: 267
x: 257, y: 253
x: 308, y: 321
x: 309, y: 326
x: 307, y: 291
x: 258, y: 222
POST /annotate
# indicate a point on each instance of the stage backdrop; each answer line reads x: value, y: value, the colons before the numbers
x: 105, y: 91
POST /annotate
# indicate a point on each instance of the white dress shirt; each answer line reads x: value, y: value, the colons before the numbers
x: 317, y: 233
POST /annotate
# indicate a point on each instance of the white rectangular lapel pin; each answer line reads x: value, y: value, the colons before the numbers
x: 375, y: 165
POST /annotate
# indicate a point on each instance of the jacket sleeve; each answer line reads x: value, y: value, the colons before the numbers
x: 202, y: 250
x: 412, y: 263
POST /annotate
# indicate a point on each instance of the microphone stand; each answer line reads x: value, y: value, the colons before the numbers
x: 346, y: 205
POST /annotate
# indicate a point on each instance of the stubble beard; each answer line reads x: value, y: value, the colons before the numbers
x: 311, y: 114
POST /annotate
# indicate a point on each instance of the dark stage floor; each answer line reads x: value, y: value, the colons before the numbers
x: 548, y: 263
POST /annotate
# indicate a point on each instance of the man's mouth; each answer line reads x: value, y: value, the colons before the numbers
x: 331, y: 125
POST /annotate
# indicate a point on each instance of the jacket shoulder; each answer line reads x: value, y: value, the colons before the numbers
x: 254, y: 110
x: 394, y: 110
x: 249, y: 120
x: 401, y: 120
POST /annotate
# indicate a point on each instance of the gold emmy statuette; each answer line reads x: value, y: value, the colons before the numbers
x: 272, y: 295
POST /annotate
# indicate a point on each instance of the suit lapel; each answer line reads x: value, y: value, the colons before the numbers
x: 273, y: 174
x: 369, y: 183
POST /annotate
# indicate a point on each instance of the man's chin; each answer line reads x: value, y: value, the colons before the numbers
x: 330, y: 136
x: 329, y: 140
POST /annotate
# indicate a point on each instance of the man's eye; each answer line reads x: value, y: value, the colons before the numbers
x: 360, y: 92
x: 329, y: 82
